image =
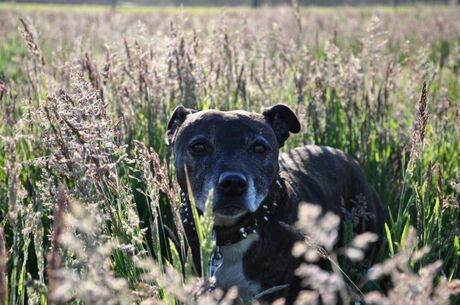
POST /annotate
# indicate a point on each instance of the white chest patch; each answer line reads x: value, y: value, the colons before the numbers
x: 231, y: 273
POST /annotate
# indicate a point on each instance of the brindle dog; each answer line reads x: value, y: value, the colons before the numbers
x: 256, y: 192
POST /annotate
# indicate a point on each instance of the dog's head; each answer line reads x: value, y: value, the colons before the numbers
x: 234, y: 154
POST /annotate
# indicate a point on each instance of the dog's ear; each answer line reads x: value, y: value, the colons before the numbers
x: 177, y: 118
x: 283, y: 121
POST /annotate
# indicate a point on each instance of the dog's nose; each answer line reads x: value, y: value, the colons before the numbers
x: 232, y: 184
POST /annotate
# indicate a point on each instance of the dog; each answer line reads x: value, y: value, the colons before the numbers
x: 256, y: 192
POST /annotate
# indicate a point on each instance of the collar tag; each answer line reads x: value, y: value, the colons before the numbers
x: 215, y: 262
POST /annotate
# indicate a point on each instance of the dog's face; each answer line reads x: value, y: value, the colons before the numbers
x: 232, y: 154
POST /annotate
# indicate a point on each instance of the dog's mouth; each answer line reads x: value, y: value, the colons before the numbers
x: 229, y: 216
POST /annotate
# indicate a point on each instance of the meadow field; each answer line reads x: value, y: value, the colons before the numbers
x: 86, y: 179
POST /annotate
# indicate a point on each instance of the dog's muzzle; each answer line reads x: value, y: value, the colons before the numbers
x: 230, y: 203
x: 232, y: 184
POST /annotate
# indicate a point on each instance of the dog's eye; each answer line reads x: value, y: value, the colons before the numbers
x: 259, y: 148
x: 198, y: 148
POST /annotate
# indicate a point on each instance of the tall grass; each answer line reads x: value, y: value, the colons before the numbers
x: 89, y: 210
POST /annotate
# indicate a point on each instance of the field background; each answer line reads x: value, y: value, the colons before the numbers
x: 86, y: 183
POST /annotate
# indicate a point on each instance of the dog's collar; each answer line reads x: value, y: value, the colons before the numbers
x: 231, y: 235
x: 251, y: 224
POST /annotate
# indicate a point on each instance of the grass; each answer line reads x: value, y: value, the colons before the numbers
x: 86, y: 179
x: 124, y: 9
x: 196, y: 10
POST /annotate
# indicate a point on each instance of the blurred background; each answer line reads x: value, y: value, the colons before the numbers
x: 253, y: 3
